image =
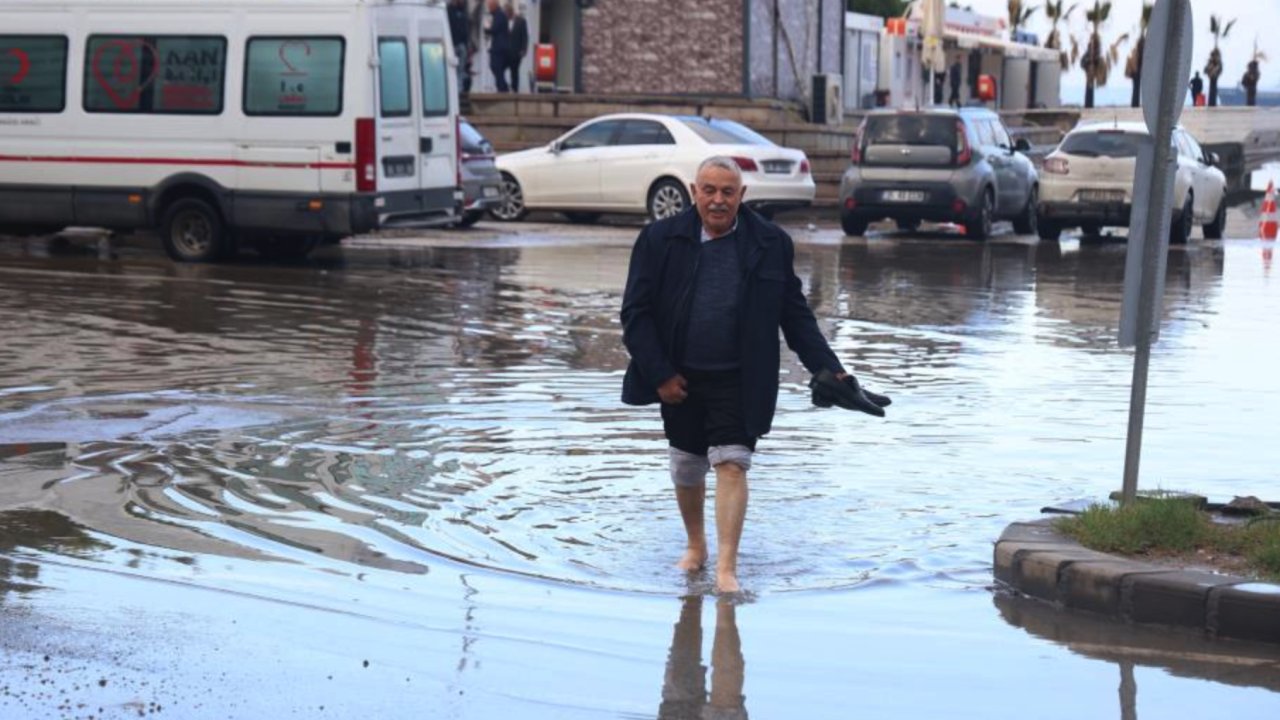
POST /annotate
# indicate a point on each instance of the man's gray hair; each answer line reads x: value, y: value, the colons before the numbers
x: 723, y: 162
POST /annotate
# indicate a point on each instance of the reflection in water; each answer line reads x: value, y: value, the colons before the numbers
x: 684, y: 686
x: 395, y: 409
x: 37, y: 530
x: 1182, y: 654
x: 396, y: 419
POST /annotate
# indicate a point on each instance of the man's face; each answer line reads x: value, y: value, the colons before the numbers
x: 717, y: 192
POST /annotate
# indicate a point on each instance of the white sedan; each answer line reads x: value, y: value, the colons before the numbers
x: 644, y: 163
x: 1087, y: 182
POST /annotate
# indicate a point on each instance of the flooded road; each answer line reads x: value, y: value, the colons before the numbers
x: 398, y: 481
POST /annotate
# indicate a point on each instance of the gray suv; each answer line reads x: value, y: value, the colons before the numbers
x: 938, y: 165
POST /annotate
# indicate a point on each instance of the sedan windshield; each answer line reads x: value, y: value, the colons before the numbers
x: 724, y: 132
x: 1104, y: 143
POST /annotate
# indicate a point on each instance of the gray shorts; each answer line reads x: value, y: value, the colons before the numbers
x: 690, y: 470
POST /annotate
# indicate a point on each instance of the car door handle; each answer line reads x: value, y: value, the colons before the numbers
x: 425, y: 145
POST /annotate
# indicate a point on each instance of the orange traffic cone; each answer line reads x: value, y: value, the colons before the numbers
x: 1267, y: 223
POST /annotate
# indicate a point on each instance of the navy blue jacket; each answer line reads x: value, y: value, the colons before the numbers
x: 499, y: 35
x: 655, y: 311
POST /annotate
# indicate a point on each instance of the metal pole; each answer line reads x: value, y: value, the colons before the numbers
x: 1156, y: 230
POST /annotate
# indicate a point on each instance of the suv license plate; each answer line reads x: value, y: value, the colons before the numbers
x: 902, y: 196
x: 490, y: 191
x: 1102, y: 196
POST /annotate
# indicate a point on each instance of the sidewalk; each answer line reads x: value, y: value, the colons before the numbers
x: 1034, y: 559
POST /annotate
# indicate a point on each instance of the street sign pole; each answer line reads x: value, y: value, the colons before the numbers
x: 1166, y: 62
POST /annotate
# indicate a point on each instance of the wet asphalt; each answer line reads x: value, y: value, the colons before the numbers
x: 395, y: 480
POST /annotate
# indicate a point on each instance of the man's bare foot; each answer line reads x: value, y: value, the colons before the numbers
x: 694, y: 559
x: 727, y: 582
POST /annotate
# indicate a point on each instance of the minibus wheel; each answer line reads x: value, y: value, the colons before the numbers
x: 192, y: 231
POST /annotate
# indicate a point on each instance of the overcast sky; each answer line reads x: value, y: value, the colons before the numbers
x: 1258, y: 19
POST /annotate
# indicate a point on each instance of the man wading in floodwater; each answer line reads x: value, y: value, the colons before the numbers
x: 706, y: 293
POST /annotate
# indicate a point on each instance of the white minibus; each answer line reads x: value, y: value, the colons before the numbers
x: 274, y: 123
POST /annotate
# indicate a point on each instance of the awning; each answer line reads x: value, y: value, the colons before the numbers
x: 1002, y: 46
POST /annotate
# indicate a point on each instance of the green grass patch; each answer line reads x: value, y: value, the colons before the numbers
x: 1176, y: 526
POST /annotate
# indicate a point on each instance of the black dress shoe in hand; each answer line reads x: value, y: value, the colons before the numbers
x: 846, y: 393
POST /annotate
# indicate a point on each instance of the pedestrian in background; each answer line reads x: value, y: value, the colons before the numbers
x: 1250, y: 83
x: 519, y: 43
x: 1197, y: 90
x: 499, y: 32
x: 460, y: 31
x: 954, y: 77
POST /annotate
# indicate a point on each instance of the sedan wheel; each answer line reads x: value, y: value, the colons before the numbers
x: 1180, y: 229
x: 1216, y: 229
x: 511, y: 207
x: 667, y: 199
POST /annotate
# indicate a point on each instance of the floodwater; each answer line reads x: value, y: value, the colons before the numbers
x: 396, y: 481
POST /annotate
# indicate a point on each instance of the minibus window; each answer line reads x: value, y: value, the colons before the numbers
x: 393, y: 77
x: 435, y: 79
x: 174, y: 74
x: 294, y: 76
x: 33, y: 73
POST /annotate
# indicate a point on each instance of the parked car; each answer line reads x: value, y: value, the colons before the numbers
x: 939, y: 165
x: 1088, y: 182
x: 481, y: 181
x: 645, y: 163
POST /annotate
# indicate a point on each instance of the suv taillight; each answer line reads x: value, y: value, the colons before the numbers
x: 964, y: 153
x: 804, y: 167
x: 366, y: 155
x: 1057, y: 166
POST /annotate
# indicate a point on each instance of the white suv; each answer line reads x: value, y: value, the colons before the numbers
x: 1087, y: 182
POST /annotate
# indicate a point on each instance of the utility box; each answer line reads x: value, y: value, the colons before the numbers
x: 544, y: 67
x: 986, y: 88
x: 826, y: 102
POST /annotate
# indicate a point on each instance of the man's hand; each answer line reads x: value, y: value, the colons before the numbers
x: 673, y: 391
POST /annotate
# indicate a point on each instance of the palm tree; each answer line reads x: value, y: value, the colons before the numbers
x: 1098, y: 59
x: 1054, y: 11
x: 1253, y: 75
x: 1133, y: 66
x: 1019, y: 14
x: 1213, y: 69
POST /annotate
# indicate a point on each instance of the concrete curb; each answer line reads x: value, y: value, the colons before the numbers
x: 1035, y: 560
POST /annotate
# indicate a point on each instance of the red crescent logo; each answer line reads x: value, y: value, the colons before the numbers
x: 284, y: 55
x: 24, y: 66
x: 125, y: 63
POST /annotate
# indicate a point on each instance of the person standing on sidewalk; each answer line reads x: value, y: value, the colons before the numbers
x: 519, y: 44
x: 499, y: 32
x: 707, y: 292
x: 460, y: 31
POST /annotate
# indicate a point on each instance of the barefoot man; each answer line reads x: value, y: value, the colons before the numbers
x: 707, y: 292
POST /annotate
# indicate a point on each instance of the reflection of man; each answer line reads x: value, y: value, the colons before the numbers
x: 684, y: 686
x: 707, y: 292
